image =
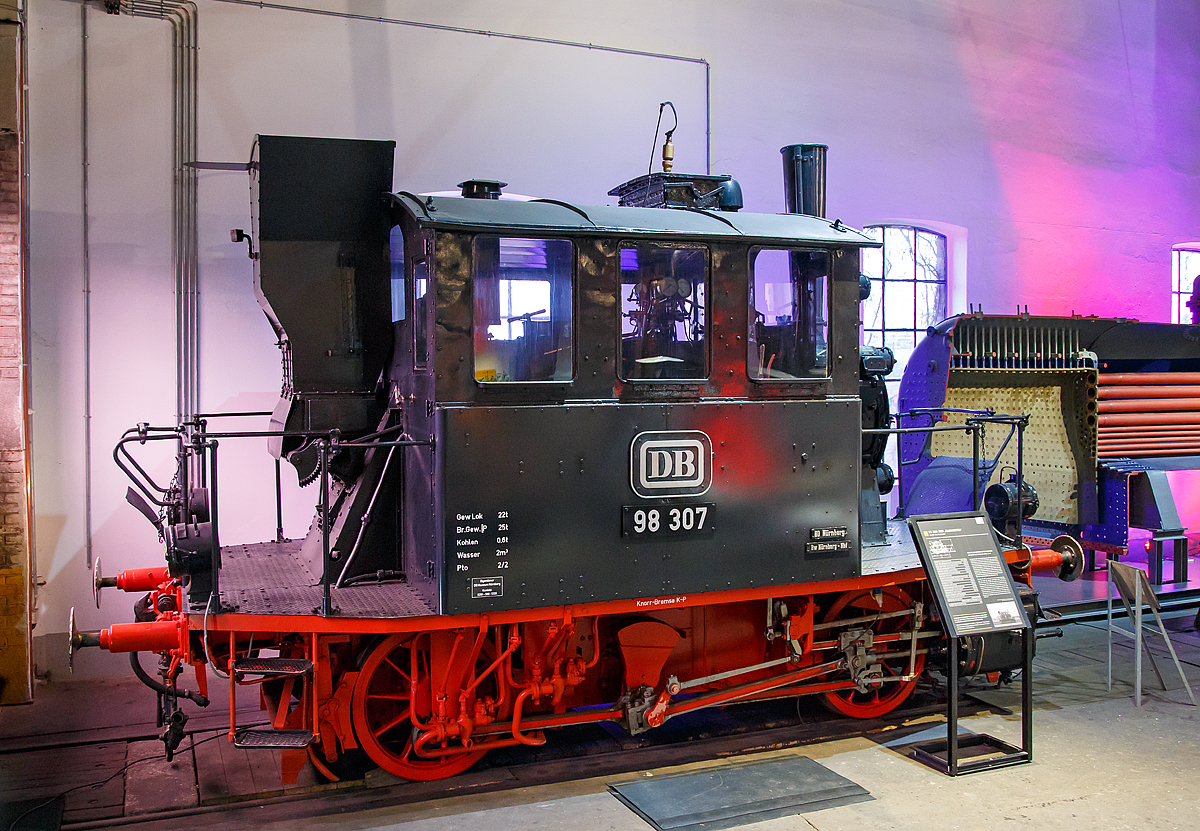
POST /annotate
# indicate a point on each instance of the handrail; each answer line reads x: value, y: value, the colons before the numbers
x: 143, y: 480
x: 973, y: 424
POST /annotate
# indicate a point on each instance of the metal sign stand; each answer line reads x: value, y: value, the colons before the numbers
x: 1133, y: 587
x: 975, y: 596
x: 944, y: 754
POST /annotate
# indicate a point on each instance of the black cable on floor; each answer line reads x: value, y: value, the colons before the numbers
x: 13, y: 825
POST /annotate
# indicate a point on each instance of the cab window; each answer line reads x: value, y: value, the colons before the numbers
x: 664, y: 318
x: 789, y: 320
x: 420, y: 295
x: 396, y: 256
x: 523, y: 310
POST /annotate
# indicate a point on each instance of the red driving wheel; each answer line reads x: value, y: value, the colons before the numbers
x: 893, y: 657
x: 393, y: 684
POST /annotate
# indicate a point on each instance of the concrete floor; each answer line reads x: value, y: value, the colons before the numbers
x: 1105, y: 765
x: 1099, y: 763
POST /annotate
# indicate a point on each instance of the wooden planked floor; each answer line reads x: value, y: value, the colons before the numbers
x: 90, y: 775
x: 228, y: 773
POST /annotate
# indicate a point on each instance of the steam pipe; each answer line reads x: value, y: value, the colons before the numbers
x: 1115, y: 419
x: 518, y: 705
x: 1144, y: 391
x: 422, y: 751
x: 1121, y: 430
x: 1118, y: 378
x: 363, y: 523
x: 1155, y: 405
x: 513, y: 643
x: 1149, y: 438
x: 1146, y: 447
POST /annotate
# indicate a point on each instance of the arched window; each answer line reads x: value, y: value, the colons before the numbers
x: 908, y: 290
x: 1185, y: 270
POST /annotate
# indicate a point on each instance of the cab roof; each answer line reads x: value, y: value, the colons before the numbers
x: 548, y: 217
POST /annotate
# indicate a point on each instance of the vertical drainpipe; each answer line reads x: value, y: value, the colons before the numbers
x: 183, y: 29
x: 32, y: 582
x: 87, y: 285
x: 181, y: 14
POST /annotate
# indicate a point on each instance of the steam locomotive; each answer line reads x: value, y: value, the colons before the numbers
x: 573, y: 464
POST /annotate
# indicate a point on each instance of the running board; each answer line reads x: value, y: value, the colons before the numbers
x: 273, y: 738
x: 273, y: 667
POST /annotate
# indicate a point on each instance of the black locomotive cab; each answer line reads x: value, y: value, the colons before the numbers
x: 623, y: 402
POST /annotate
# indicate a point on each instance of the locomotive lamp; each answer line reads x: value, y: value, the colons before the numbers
x: 239, y: 235
x: 1004, y: 500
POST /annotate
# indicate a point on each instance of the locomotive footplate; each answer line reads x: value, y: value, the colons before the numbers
x: 271, y: 578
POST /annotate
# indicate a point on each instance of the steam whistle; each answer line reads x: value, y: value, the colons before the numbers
x: 668, y: 149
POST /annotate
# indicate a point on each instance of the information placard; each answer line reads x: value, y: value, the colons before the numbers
x: 968, y: 574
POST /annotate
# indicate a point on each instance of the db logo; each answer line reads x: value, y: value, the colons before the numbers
x: 675, y: 463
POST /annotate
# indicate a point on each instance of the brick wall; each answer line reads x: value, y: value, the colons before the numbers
x: 14, y: 508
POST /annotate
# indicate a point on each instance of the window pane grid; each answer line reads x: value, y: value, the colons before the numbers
x: 908, y: 290
x: 1185, y: 269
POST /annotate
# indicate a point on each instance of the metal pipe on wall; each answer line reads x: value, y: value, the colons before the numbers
x: 181, y: 14
x: 87, y: 288
x: 30, y: 588
x: 511, y: 36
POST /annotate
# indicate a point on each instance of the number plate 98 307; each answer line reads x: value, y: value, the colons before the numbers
x: 667, y: 521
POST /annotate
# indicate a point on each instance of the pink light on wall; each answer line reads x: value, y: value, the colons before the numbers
x: 1090, y: 117
x: 1085, y: 145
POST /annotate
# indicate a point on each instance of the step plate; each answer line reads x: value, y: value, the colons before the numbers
x: 273, y: 738
x: 272, y: 666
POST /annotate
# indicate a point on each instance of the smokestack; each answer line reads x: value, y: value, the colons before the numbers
x: 804, y: 178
